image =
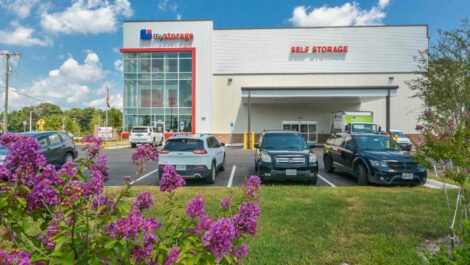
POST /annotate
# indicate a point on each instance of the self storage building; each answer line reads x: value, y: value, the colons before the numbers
x: 228, y: 81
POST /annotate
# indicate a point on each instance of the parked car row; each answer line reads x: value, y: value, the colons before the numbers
x: 286, y: 155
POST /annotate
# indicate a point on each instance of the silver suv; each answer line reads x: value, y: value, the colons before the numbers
x: 144, y: 135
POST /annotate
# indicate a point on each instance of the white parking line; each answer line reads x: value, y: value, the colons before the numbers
x: 327, y: 182
x: 144, y: 176
x: 229, y: 184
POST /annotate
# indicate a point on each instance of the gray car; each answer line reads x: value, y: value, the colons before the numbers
x: 57, y: 147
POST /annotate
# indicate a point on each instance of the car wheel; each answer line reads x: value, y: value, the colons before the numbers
x: 211, y: 178
x: 361, y: 173
x: 133, y: 145
x: 68, y: 157
x: 222, y: 167
x: 328, y: 163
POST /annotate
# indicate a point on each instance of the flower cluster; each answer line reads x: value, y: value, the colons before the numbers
x: 204, y: 224
x: 219, y: 237
x: 143, y: 201
x: 133, y: 225
x: 170, y: 179
x: 93, y: 145
x: 196, y: 207
x: 173, y: 256
x: 145, y: 153
x: 103, y: 204
x: 246, y: 220
x: 253, y: 186
x: 225, y: 203
x: 16, y: 257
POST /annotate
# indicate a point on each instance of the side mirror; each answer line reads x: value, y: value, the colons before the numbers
x: 257, y: 146
x: 222, y: 144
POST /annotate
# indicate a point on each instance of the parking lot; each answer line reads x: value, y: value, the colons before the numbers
x: 238, y: 166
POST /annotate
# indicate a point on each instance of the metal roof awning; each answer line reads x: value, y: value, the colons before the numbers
x: 316, y: 94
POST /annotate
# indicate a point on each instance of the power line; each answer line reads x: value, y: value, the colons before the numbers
x: 19, y: 93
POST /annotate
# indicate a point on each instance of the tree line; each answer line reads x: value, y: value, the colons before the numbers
x: 78, y: 121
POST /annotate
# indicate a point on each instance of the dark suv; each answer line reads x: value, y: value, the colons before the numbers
x: 372, y: 158
x: 282, y: 155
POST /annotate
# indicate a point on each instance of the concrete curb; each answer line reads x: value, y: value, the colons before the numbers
x: 434, y: 184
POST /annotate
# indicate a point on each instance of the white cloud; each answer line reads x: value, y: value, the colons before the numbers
x: 165, y: 5
x: 346, y: 15
x: 21, y: 8
x: 22, y: 36
x: 87, y: 16
x: 70, y: 82
x: 118, y: 65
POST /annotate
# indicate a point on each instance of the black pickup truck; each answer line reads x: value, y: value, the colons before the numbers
x: 372, y: 158
x: 285, y: 155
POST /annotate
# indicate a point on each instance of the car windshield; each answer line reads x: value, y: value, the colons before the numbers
x: 183, y: 145
x: 399, y: 134
x: 140, y: 130
x: 364, y: 128
x: 373, y: 142
x: 283, y: 141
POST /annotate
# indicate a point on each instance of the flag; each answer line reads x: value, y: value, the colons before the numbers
x: 107, y: 97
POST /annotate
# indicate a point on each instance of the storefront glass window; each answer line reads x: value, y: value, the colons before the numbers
x: 158, y: 87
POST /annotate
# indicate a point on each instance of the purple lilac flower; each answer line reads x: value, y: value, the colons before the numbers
x: 219, y: 238
x: 93, y: 145
x: 132, y: 225
x: 173, y: 256
x: 24, y: 158
x: 196, y: 207
x: 42, y: 193
x: 419, y: 127
x: 225, y: 203
x: 51, y: 231
x: 144, y: 153
x: 102, y: 200
x: 143, y: 201
x: 240, y: 252
x: 142, y: 253
x: 68, y: 169
x: 253, y: 186
x: 203, y: 225
x: 170, y: 180
x: 245, y: 220
x: 15, y: 257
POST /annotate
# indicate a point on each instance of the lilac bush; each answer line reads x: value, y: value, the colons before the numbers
x: 59, y: 216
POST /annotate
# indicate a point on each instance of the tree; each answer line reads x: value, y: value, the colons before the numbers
x: 444, y: 87
x: 53, y: 122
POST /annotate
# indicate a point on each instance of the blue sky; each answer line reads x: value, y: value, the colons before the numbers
x: 69, y: 48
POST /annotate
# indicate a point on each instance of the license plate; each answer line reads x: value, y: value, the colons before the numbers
x: 181, y: 167
x: 407, y: 175
x: 291, y: 172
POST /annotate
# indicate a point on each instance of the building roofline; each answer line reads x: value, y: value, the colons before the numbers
x: 328, y: 27
x: 167, y: 20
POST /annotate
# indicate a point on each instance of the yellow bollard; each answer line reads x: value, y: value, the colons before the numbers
x: 396, y: 138
x: 252, y: 140
x: 245, y: 141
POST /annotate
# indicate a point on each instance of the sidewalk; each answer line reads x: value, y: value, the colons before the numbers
x: 434, y: 184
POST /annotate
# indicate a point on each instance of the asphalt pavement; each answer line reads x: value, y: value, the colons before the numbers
x: 239, y: 163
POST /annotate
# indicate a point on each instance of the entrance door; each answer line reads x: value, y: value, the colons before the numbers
x: 307, y: 128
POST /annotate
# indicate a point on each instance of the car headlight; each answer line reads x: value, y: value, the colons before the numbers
x: 265, y: 157
x: 312, y: 158
x: 376, y: 163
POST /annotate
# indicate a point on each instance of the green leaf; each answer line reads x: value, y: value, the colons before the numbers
x: 69, y: 258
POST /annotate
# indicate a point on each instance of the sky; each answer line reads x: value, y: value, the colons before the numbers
x: 70, y: 48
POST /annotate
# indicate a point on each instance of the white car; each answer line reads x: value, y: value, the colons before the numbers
x: 144, y: 135
x: 401, y: 139
x: 194, y: 156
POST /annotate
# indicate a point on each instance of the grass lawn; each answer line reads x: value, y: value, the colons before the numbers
x: 356, y: 225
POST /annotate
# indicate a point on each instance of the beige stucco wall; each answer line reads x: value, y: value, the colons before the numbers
x: 227, y: 105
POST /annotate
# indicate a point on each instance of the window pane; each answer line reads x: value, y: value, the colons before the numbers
x: 158, y: 76
x: 145, y: 55
x: 157, y: 65
x: 130, y: 76
x: 171, y: 76
x: 130, y: 55
x: 144, y: 76
x: 171, y: 55
x: 186, y: 76
x: 185, y: 65
x: 171, y: 89
x: 171, y: 65
x: 145, y: 96
x: 185, y: 93
x: 186, y: 55
x: 186, y: 119
x: 130, y: 89
x: 130, y: 66
x: 157, y: 93
x: 144, y: 66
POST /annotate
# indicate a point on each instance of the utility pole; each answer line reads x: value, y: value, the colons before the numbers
x: 7, y: 77
x: 30, y: 120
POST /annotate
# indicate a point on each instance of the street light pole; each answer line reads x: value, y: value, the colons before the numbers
x: 7, y: 77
